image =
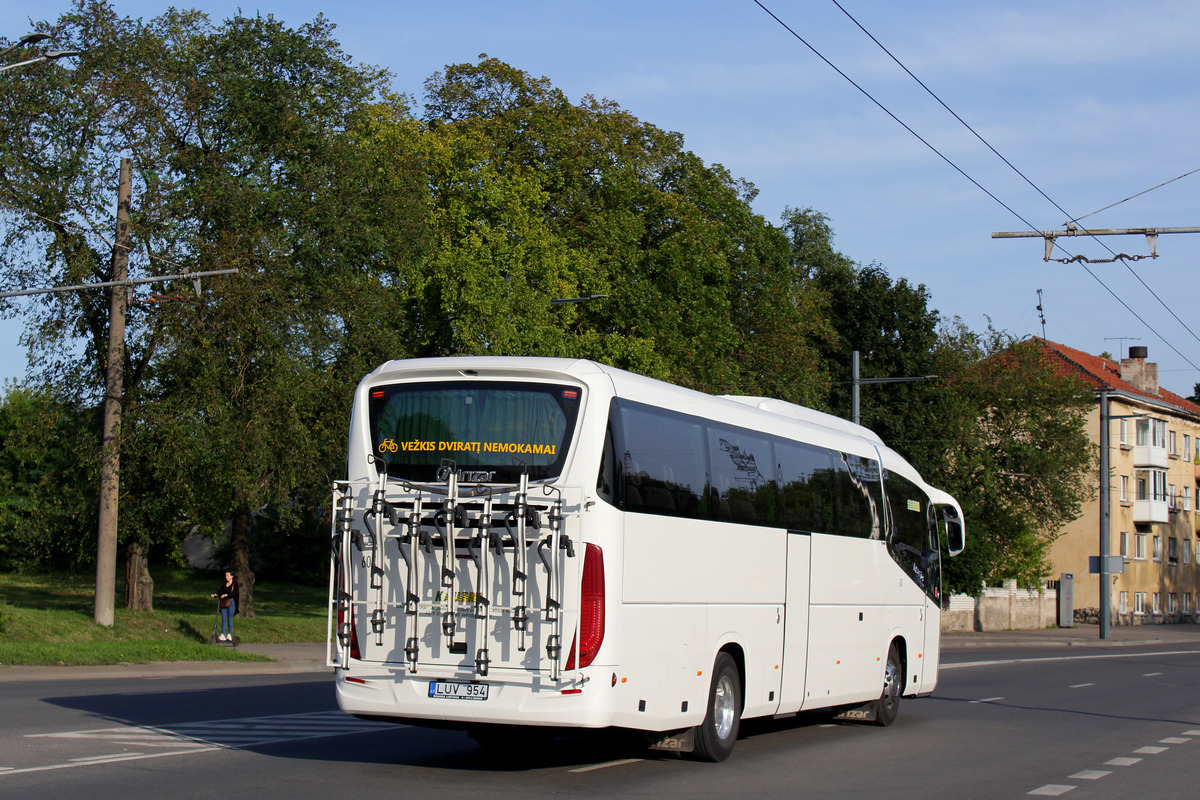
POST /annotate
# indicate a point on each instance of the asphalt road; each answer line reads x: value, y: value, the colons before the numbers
x: 1083, y: 721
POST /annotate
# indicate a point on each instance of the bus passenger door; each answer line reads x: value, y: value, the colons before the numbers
x: 795, y: 622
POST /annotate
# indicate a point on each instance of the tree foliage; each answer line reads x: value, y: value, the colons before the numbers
x: 536, y: 198
x: 363, y: 230
x: 48, y: 485
x: 1014, y: 451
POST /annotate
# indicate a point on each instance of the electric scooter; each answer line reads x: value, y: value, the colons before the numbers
x: 212, y: 639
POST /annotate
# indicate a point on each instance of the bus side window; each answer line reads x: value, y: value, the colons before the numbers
x: 910, y: 541
x: 665, y: 467
x: 742, y: 476
x: 606, y: 480
x: 805, y: 487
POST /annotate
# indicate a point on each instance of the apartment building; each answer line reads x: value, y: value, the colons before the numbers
x: 1154, y: 462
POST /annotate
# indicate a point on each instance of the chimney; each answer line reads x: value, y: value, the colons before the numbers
x: 1135, y: 370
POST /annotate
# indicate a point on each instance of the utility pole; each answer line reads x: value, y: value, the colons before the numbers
x: 110, y: 464
x: 856, y: 381
x: 110, y: 454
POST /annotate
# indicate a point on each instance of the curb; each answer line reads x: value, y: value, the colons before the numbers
x: 286, y: 659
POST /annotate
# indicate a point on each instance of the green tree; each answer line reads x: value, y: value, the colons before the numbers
x: 887, y: 321
x: 1013, y: 449
x: 536, y: 197
x: 246, y: 155
x: 47, y: 482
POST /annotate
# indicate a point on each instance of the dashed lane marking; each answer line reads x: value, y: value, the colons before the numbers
x: 1090, y: 774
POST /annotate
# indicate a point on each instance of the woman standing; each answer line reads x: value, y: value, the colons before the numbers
x: 229, y: 597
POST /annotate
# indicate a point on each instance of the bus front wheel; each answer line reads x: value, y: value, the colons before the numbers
x: 888, y: 704
x: 716, y: 736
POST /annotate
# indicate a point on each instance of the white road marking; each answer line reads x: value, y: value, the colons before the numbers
x: 1082, y: 685
x: 1121, y: 761
x: 995, y: 662
x: 618, y: 763
x: 1052, y: 790
x: 203, y: 737
x: 1090, y: 775
x: 987, y: 700
x: 1151, y: 751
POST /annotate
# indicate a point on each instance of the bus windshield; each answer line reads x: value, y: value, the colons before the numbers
x: 487, y: 432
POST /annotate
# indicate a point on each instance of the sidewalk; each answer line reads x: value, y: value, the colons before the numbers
x: 1078, y: 636
x: 287, y: 658
x: 310, y: 657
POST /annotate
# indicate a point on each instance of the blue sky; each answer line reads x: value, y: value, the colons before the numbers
x: 1093, y: 102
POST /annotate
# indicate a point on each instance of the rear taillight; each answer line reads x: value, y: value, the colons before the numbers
x: 591, y: 609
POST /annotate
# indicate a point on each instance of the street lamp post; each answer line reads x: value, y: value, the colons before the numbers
x: 34, y: 38
x: 27, y: 39
x: 856, y: 381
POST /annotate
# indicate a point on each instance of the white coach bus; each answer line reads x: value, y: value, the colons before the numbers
x: 559, y: 544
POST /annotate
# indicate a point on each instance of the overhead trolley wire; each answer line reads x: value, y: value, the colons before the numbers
x: 960, y: 171
x: 1038, y: 189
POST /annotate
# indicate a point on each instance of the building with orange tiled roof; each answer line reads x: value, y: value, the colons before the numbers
x: 1154, y: 463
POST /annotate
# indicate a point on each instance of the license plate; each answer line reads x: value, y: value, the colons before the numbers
x: 454, y: 690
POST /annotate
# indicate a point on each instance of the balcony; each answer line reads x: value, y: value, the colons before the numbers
x: 1145, y: 455
x: 1151, y: 511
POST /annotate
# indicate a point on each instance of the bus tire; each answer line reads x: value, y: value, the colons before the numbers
x: 716, y: 736
x: 888, y: 704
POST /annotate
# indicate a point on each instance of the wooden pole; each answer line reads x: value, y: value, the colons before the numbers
x: 110, y: 464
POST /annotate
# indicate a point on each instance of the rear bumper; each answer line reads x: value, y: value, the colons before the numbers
x: 517, y: 699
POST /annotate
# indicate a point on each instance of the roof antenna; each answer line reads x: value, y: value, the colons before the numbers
x: 1122, y: 340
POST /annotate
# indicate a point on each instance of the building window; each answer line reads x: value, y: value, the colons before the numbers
x: 1124, y: 607
x: 1187, y: 551
x: 1157, y: 609
x: 1187, y: 447
x: 1172, y: 603
x: 1187, y: 498
x: 1187, y: 602
x: 1157, y: 547
x: 1152, y: 432
x: 1151, y: 484
x: 1139, y: 602
x: 1139, y: 544
x: 1171, y: 449
x: 1125, y: 432
x: 1124, y: 488
x: 1173, y: 550
x: 1124, y: 544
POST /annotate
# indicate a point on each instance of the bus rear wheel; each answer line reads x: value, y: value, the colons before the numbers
x: 716, y: 736
x: 888, y: 704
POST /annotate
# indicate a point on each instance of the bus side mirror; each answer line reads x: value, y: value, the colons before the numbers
x: 955, y: 536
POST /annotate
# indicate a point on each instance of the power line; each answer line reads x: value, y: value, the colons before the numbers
x: 885, y: 110
x: 960, y: 171
x: 1139, y: 194
x: 1124, y: 259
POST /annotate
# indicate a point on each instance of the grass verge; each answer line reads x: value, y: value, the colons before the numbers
x: 47, y: 620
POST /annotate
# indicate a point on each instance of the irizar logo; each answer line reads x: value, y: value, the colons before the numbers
x: 466, y: 476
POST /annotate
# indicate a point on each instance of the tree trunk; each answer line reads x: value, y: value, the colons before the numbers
x: 139, y: 586
x: 239, y: 561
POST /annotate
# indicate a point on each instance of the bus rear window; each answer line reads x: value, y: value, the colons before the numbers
x: 488, y: 431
